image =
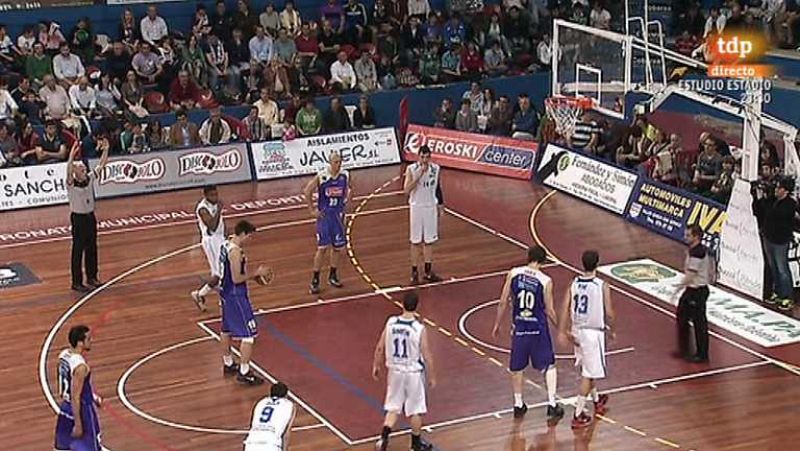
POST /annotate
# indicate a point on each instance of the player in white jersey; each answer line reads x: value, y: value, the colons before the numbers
x: 423, y: 187
x: 403, y: 349
x: 78, y: 425
x: 588, y: 315
x: 272, y: 421
x: 212, y: 237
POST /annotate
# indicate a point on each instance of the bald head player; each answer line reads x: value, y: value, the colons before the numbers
x: 333, y: 194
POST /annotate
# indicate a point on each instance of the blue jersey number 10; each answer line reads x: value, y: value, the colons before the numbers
x: 526, y: 300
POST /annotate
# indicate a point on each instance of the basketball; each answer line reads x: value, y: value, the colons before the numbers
x: 266, y: 278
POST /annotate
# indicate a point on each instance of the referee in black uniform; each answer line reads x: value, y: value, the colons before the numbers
x: 80, y: 191
x: 692, y: 304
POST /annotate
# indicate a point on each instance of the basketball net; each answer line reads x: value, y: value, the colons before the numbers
x: 565, y: 112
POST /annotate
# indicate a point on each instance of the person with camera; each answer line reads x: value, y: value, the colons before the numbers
x: 775, y: 209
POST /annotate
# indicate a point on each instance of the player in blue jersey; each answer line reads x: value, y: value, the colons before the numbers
x: 77, y: 432
x: 333, y: 195
x: 530, y: 293
x: 238, y: 321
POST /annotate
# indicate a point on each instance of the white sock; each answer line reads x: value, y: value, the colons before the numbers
x: 204, y: 290
x: 580, y: 404
x: 551, y: 379
x: 518, y: 400
x: 244, y: 368
x: 595, y: 396
x: 227, y: 359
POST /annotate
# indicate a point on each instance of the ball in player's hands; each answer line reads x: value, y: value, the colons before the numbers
x: 264, y: 276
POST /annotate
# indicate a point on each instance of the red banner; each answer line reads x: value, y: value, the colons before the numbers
x: 473, y: 152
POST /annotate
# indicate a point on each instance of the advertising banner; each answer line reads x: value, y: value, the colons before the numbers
x: 741, y: 261
x: 594, y: 181
x: 176, y: 169
x: 303, y: 156
x: 727, y: 310
x: 33, y: 186
x: 472, y: 152
x: 670, y: 211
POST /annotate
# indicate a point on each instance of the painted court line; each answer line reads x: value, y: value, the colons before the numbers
x: 353, y: 297
x: 123, y: 396
x: 462, y: 327
x: 48, y: 341
x: 571, y: 401
x: 292, y: 395
x: 635, y: 297
x: 176, y: 223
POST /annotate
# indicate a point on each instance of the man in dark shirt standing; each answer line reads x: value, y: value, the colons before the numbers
x: 776, y: 219
x: 698, y: 273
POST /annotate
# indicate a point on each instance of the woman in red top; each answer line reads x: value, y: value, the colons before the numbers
x: 27, y: 142
x: 472, y: 63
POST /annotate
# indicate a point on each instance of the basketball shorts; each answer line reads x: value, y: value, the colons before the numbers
x: 211, y: 247
x: 262, y: 447
x: 590, y: 354
x: 263, y: 441
x: 237, y: 318
x: 330, y: 229
x: 90, y: 441
x: 405, y: 392
x: 536, y: 350
x: 424, y: 224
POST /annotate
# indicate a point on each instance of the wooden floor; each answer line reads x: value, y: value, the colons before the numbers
x: 156, y: 362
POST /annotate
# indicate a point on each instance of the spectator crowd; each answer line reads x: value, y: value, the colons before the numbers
x: 86, y: 84
x: 57, y: 86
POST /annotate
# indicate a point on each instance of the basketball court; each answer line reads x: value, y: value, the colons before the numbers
x: 156, y: 360
x: 157, y: 365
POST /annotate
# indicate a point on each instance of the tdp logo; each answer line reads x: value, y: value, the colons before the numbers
x: 727, y: 48
x: 734, y: 46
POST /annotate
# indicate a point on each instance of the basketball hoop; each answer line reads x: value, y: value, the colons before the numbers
x: 565, y: 112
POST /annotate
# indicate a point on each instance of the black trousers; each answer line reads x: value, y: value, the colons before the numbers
x: 84, y: 247
x: 692, y: 306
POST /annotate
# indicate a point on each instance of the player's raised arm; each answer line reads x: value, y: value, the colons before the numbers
x: 427, y: 357
x: 71, y: 161
x: 308, y: 191
x: 501, y: 307
x: 78, y: 376
x: 379, y: 354
x: 548, y: 303
x: 104, y: 146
